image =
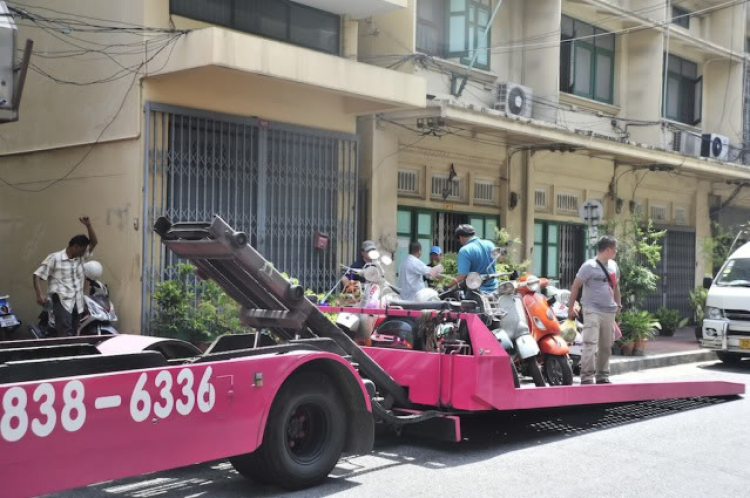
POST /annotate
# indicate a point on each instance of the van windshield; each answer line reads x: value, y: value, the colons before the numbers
x: 736, y: 273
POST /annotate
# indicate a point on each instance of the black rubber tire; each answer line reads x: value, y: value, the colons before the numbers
x: 558, y: 371
x: 532, y: 368
x: 310, y: 405
x: 516, y: 379
x: 729, y: 358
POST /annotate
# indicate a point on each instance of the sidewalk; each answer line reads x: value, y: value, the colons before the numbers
x: 663, y: 352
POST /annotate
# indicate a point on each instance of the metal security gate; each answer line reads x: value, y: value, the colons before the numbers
x: 284, y: 185
x: 676, y: 272
x: 572, y: 252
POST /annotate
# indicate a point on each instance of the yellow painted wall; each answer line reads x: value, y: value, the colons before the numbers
x: 106, y: 187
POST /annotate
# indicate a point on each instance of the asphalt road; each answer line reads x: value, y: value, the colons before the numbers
x: 682, y: 448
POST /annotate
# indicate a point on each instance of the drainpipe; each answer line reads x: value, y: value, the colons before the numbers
x: 476, y: 49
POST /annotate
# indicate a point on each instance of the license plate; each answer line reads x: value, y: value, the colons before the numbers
x: 11, y: 321
x: 745, y: 343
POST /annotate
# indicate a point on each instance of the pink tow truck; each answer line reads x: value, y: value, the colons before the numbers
x: 283, y: 404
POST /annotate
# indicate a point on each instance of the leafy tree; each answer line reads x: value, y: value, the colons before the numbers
x: 638, y: 252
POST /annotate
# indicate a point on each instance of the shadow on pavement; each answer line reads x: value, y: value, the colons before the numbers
x: 485, y: 436
x: 743, y: 367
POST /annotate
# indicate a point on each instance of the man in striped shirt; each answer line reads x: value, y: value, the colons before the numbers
x: 63, y: 272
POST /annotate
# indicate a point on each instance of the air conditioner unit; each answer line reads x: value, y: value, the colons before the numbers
x: 686, y: 143
x: 715, y: 146
x: 514, y: 100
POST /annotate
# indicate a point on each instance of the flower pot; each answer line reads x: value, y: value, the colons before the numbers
x: 667, y: 332
x: 627, y: 348
x: 640, y: 347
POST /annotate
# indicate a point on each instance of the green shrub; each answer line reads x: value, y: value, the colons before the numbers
x: 195, y: 314
x: 670, y: 320
x: 698, y: 304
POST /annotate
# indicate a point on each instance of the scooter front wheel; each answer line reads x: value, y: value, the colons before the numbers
x: 558, y: 371
x: 533, y: 370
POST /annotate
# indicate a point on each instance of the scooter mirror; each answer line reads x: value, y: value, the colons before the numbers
x: 373, y: 255
x: 497, y: 253
x: 372, y: 274
x: 386, y: 260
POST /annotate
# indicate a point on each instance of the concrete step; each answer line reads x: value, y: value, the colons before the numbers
x: 620, y: 365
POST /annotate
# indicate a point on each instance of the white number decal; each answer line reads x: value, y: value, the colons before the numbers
x: 140, y: 401
x: 14, y: 414
x: 206, y: 389
x: 164, y: 378
x: 46, y: 409
x: 185, y: 379
x: 73, y: 397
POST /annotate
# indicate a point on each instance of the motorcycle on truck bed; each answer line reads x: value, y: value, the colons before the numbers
x: 81, y: 410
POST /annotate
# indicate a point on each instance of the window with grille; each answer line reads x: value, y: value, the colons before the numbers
x: 408, y: 181
x: 567, y: 203
x: 680, y: 215
x: 483, y: 192
x: 540, y: 198
x: 658, y: 213
x: 443, y: 188
x: 285, y: 21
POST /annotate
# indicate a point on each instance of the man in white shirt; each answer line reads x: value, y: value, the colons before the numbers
x: 65, y: 278
x: 412, y: 272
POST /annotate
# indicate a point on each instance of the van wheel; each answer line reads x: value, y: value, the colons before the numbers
x: 304, y: 435
x: 729, y: 358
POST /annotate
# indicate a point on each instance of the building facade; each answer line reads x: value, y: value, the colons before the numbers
x: 563, y: 102
x: 187, y: 109
x: 388, y: 119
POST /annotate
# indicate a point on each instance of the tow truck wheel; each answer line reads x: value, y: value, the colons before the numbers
x: 532, y: 368
x: 729, y: 358
x: 304, y: 436
x: 558, y: 371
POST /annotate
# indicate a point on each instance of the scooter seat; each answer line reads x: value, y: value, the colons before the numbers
x: 420, y: 305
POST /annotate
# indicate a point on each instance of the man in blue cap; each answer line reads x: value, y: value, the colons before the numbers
x: 436, y: 255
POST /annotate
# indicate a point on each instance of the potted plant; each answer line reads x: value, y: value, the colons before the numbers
x: 669, y: 320
x: 637, y: 327
x: 698, y: 304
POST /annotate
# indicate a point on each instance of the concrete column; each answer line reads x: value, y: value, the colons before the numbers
x: 349, y: 38
x: 541, y: 66
x: 702, y: 230
x: 644, y: 84
x: 528, y: 203
x: 515, y: 219
x: 379, y: 173
x: 722, y: 90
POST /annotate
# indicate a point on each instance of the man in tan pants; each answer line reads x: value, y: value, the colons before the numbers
x: 601, y: 302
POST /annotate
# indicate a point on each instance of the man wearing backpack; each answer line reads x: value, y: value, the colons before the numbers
x: 601, y: 302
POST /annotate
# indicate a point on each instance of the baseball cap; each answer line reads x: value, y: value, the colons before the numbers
x: 435, y: 250
x: 368, y: 246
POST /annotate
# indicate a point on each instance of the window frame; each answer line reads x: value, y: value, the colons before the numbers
x: 685, y: 84
x: 595, y: 51
x: 682, y: 22
x: 470, y: 24
x: 232, y: 24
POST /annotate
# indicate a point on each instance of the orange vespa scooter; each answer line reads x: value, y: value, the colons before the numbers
x: 546, y: 331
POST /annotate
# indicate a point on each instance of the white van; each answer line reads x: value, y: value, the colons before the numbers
x: 726, y: 326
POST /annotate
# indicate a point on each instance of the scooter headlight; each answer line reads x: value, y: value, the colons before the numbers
x: 473, y: 281
x: 539, y: 324
x: 714, y: 313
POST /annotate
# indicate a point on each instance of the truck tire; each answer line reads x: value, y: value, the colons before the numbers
x: 532, y: 368
x: 558, y: 371
x: 729, y: 358
x: 303, y: 438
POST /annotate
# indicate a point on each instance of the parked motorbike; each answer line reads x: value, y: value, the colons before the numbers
x: 99, y: 313
x: 9, y: 323
x: 546, y: 330
x: 558, y: 298
x: 376, y: 292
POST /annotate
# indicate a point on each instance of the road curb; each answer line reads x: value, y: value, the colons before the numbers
x: 618, y: 366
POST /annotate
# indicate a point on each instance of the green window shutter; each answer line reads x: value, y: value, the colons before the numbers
x: 458, y: 23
